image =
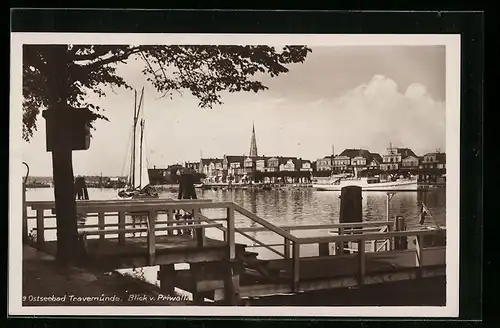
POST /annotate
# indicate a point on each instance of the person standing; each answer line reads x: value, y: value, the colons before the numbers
x: 186, y: 191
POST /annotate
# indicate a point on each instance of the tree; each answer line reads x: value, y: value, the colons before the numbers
x: 60, y: 77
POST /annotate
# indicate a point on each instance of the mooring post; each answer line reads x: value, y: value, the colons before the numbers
x: 351, y: 207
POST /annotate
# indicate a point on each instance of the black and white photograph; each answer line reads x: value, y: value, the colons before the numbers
x: 259, y: 175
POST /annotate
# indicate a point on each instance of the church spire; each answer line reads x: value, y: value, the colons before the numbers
x: 253, y: 143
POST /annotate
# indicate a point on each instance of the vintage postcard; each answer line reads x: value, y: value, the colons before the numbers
x: 234, y: 175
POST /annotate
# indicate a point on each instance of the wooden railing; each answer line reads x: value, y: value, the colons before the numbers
x: 345, y: 232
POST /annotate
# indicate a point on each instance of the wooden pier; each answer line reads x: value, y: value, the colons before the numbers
x: 227, y: 271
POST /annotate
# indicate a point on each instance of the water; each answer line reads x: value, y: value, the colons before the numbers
x: 286, y: 207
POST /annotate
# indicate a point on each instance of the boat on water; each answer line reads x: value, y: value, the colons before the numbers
x: 138, y: 186
x: 337, y: 182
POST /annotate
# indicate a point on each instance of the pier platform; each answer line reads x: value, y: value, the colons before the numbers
x: 354, y: 255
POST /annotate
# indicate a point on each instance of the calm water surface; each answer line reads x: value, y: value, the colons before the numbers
x: 288, y: 207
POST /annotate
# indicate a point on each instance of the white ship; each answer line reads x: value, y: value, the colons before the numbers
x: 337, y: 182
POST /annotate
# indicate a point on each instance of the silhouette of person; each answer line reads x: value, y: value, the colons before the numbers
x: 186, y: 191
x: 81, y: 188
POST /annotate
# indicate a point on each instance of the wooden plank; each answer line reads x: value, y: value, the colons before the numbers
x: 368, y: 236
x: 144, y: 207
x: 338, y: 282
x: 263, y: 222
x: 144, y: 229
x: 367, y: 224
x: 50, y: 204
x: 261, y: 244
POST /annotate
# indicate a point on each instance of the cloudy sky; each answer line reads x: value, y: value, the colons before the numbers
x: 342, y: 96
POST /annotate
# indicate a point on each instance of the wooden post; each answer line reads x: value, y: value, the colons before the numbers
x: 121, y: 226
x: 25, y: 216
x: 231, y: 285
x: 287, y: 248
x: 324, y: 249
x: 296, y: 267
x: 400, y: 243
x: 420, y: 253
x: 166, y: 276
x: 40, y: 227
x: 387, y: 207
x: 362, y: 262
x: 152, y: 236
x: 199, y: 232
x: 101, y: 225
x: 170, y: 220
x: 230, y: 233
x: 390, y: 245
x: 340, y: 245
x: 200, y: 237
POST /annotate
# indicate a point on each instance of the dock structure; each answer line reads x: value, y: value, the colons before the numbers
x: 228, y: 271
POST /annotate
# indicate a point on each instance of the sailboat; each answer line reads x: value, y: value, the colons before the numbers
x: 138, y: 185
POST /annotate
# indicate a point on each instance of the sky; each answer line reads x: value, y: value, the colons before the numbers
x: 340, y: 97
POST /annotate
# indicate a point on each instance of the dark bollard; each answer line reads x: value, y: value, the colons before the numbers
x: 351, y: 207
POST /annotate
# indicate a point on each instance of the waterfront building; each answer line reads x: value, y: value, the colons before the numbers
x: 273, y: 164
x: 375, y: 161
x: 341, y: 163
x: 324, y: 164
x: 393, y: 159
x: 193, y: 166
x: 305, y: 165
x: 351, y: 158
x: 435, y: 160
x: 212, y: 168
x: 410, y: 162
x: 261, y: 163
x: 287, y: 163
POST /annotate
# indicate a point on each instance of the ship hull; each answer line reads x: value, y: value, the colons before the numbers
x: 382, y: 186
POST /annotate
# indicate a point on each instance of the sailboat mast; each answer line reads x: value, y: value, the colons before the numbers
x: 133, y: 138
x: 140, y: 158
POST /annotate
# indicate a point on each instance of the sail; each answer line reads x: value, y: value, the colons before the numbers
x: 141, y: 169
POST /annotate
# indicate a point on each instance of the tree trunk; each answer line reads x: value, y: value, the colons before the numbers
x: 62, y: 164
x: 64, y: 193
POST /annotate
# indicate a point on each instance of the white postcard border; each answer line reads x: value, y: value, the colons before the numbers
x: 16, y: 171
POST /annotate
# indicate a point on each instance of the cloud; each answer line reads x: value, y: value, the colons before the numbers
x: 376, y: 113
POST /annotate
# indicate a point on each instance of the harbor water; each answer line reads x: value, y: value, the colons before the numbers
x: 284, y: 208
